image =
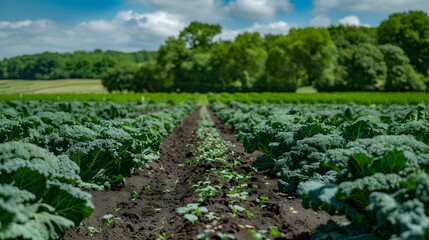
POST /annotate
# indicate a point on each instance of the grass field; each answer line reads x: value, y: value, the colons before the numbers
x: 85, y: 89
x: 51, y: 86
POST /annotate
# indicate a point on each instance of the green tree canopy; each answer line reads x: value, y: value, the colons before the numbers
x: 409, y: 31
x: 400, y: 74
x: 200, y: 35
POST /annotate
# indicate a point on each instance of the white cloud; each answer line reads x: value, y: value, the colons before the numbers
x: 258, y: 9
x: 203, y: 10
x: 215, y: 10
x: 127, y: 31
x: 380, y: 6
x: 15, y: 25
x: 320, y: 21
x: 351, y: 20
x: 271, y: 28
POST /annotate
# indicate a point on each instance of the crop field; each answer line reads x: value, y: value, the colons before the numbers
x: 51, y: 86
x: 215, y: 166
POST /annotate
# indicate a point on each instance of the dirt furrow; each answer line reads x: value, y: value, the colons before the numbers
x: 145, y: 208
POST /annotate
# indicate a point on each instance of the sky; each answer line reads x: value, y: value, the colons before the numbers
x: 35, y: 26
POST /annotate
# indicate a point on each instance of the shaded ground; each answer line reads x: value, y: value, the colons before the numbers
x: 165, y: 185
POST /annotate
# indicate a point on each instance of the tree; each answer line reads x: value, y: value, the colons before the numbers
x: 346, y: 36
x: 120, y: 78
x: 200, y: 35
x: 364, y: 68
x: 283, y: 73
x: 409, y: 31
x: 246, y: 60
x: 169, y: 58
x: 149, y: 78
x: 400, y: 74
x: 300, y: 58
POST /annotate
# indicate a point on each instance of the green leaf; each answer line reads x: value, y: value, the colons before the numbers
x: 392, y: 162
x: 25, y: 175
x: 68, y: 201
x: 33, y: 221
x: 358, y: 165
x: 319, y: 195
x: 237, y: 208
x: 191, y: 217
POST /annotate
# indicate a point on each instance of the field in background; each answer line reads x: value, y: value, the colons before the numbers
x: 51, y: 86
x: 72, y: 89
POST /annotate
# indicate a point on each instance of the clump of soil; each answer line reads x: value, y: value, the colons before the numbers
x: 145, y: 208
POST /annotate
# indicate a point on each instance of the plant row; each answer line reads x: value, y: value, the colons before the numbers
x: 221, y: 178
x: 106, y: 141
x: 46, y: 152
x: 368, y: 163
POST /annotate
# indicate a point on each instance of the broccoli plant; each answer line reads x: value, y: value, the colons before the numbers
x: 44, y: 200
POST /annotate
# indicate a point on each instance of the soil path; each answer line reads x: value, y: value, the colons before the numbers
x: 164, y: 185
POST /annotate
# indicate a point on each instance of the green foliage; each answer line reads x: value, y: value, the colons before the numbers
x: 79, y: 64
x: 120, y: 78
x: 400, y: 74
x: 364, y: 67
x: 199, y: 35
x: 104, y: 140
x: 409, y: 31
x: 346, y: 36
x: 340, y: 159
x: 38, y: 199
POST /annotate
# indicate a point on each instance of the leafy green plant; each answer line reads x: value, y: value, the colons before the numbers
x: 134, y: 195
x: 162, y: 235
x: 192, y: 212
x: 261, y: 201
x: 110, y: 220
x: 92, y: 231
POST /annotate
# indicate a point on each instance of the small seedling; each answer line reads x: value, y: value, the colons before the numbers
x: 93, y: 231
x: 256, y: 235
x: 225, y: 236
x: 109, y: 220
x: 191, y: 218
x: 210, y: 216
x: 262, y: 200
x: 204, y: 235
x: 275, y: 232
x: 249, y: 214
x: 271, y: 233
x: 134, y: 195
x: 176, y: 183
x: 236, y: 208
x: 162, y: 235
x: 191, y: 212
x: 148, y: 189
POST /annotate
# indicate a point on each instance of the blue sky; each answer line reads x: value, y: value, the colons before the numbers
x: 34, y: 26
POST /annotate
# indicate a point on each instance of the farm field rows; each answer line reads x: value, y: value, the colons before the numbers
x: 368, y: 163
x: 187, y: 175
x: 146, y: 170
x: 51, y: 86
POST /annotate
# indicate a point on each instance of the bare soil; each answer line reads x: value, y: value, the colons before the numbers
x: 164, y: 185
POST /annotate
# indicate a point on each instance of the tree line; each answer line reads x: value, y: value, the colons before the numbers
x: 391, y: 57
x: 80, y: 64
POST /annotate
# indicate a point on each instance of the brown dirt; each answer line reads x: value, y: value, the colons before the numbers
x: 165, y: 185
